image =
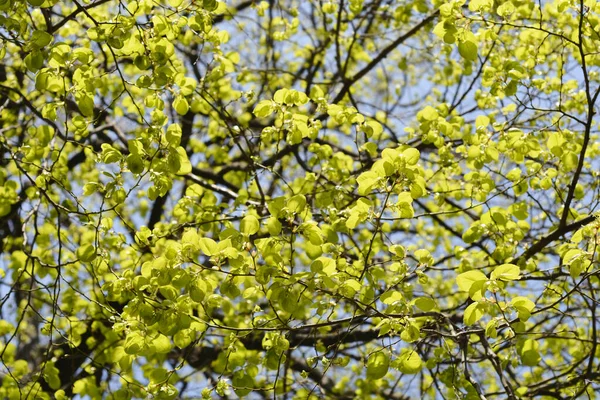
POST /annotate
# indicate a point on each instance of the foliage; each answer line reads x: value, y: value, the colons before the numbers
x: 339, y: 199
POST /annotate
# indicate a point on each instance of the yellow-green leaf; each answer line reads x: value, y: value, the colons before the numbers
x: 249, y: 225
x: 181, y: 106
x: 409, y: 361
x: 378, y: 365
x: 467, y: 279
x: 506, y: 272
x: 473, y: 313
x: 468, y: 50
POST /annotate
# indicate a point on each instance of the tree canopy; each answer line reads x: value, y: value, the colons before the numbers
x: 369, y: 199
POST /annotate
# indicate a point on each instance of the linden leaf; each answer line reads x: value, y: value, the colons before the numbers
x: 473, y: 313
x: 378, y: 365
x: 161, y: 344
x: 505, y: 272
x: 425, y: 303
x: 197, y: 290
x: 366, y: 181
x: 467, y: 279
x: 185, y: 167
x: 409, y: 362
x: 411, y: 156
x: 134, y: 343
x: 263, y: 109
x: 468, y: 50
x: 249, y: 225
x: 135, y: 163
x: 296, y: 203
x: 86, y: 253
x: 427, y: 114
x: 85, y: 103
x: 173, y: 134
x: 524, y: 307
x: 181, y: 106
x: 529, y: 353
x: 208, y: 246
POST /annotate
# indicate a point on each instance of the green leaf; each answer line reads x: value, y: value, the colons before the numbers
x: 506, y: 272
x: 411, y: 332
x: 208, y: 246
x: 506, y: 9
x: 425, y: 303
x: 263, y: 109
x: 134, y: 343
x: 296, y: 203
x: 249, y: 225
x: 427, y: 114
x: 183, y: 338
x: 572, y: 255
x: 85, y: 103
x: 180, y: 105
x: 468, y: 50
x: 391, y: 296
x: 5, y: 327
x: 40, y: 39
x: 350, y: 287
x: 173, y: 135
x: 366, y: 181
x: 136, y: 147
x: 280, y: 96
x: 51, y: 375
x: 524, y: 307
x: 34, y: 61
x: 135, y: 163
x: 482, y: 121
x: 198, y: 289
x: 491, y: 329
x: 372, y: 129
x: 466, y: 280
x: 175, y: 3
x: 276, y: 205
x: 481, y: 5
x: 161, y: 344
x: 514, y: 174
x: 409, y: 361
x: 555, y: 143
x: 273, y: 226
x: 242, y: 384
x: 86, y: 253
x: 378, y: 365
x: 473, y: 313
x: 324, y: 265
x: 311, y: 231
x: 185, y: 166
x: 529, y: 353
x: 411, y: 156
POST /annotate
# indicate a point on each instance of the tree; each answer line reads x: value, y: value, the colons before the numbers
x: 299, y: 200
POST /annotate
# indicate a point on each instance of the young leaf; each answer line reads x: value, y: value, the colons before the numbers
x: 524, y: 307
x: 185, y: 166
x: 86, y: 253
x: 409, y: 362
x: 378, y: 365
x: 180, y: 105
x: 366, y: 181
x: 467, y: 279
x: 473, y: 313
x: 468, y: 50
x: 411, y: 156
x: 505, y: 272
x: 208, y: 246
x: 249, y: 225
